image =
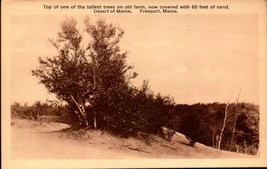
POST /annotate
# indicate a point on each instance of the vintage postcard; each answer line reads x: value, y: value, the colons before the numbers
x: 133, y: 84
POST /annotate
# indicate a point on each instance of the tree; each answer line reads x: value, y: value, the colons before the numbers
x: 247, y: 128
x: 109, y: 64
x: 192, y: 123
x: 83, y: 73
x: 236, y: 113
x: 223, y: 126
x: 68, y: 74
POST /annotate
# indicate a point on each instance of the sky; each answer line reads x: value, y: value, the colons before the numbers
x: 192, y: 58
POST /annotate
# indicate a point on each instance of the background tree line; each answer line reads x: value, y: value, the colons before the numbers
x: 90, y: 74
x: 203, y: 123
x: 48, y: 111
x: 200, y: 122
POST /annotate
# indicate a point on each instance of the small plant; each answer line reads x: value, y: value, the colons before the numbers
x: 166, y: 133
x: 192, y: 142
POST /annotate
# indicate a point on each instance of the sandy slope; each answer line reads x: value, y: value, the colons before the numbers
x: 44, y: 141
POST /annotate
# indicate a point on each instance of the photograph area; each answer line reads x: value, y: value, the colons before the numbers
x: 134, y: 86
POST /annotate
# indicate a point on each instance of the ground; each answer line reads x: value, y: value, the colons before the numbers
x: 42, y: 140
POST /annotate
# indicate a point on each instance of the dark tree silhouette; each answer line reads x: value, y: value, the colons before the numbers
x: 83, y: 73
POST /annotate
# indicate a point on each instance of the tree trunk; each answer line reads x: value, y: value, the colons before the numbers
x: 222, y: 130
x: 246, y: 147
x: 213, y: 140
x: 79, y: 116
x: 234, y: 127
x: 38, y: 114
x: 94, y: 72
x: 237, y: 148
x: 82, y: 112
x: 95, y: 124
x: 85, y: 115
x: 31, y: 117
x: 233, y: 133
x: 217, y: 140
